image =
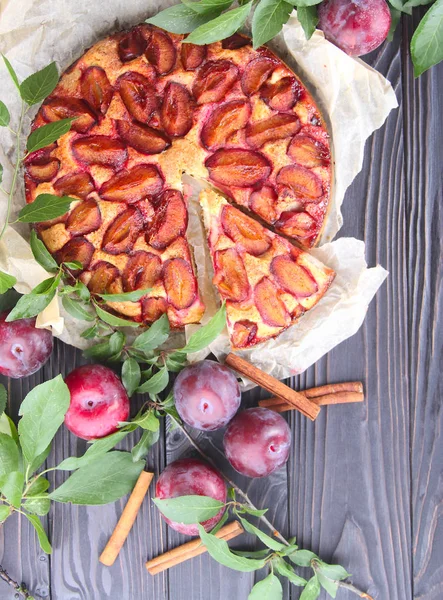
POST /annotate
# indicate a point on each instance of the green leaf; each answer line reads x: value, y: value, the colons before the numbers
x: 90, y: 333
x: 96, y: 449
x: 303, y: 3
x: 100, y: 351
x: 12, y: 73
x: 205, y: 6
x: 302, y: 558
x: 6, y: 282
x: 268, y: 20
x: 253, y: 511
x: 180, y: 19
x: 266, y: 539
x: 40, y: 459
x: 9, y: 455
x: 113, y: 320
x: 221, y: 27
x: 289, y: 549
x: 8, y: 299
x: 41, y: 533
x: 401, y: 6
x: 47, y: 134
x: 11, y: 486
x: 334, y: 572
x: 268, y: 589
x: 156, y: 383
x: 131, y: 375
x: 427, y: 41
x: 41, y: 254
x: 219, y: 550
x: 308, y: 17
x: 5, y: 117
x: 37, y: 86
x: 37, y: 300
x: 5, y: 511
x: 148, y: 421
x: 287, y: 571
x: 395, y: 19
x: 3, y: 398
x: 125, y: 297
x: 7, y: 426
x: 206, y: 334
x: 220, y: 524
x: 77, y: 309
x: 253, y: 553
x: 79, y: 288
x: 189, y: 509
x: 414, y: 3
x: 38, y: 506
x: 175, y: 365
x: 43, y: 411
x: 44, y: 208
x: 312, y: 589
x: 154, y: 337
x: 330, y: 586
x: 104, y: 480
x: 116, y: 343
x: 73, y: 265
x: 147, y: 440
x: 40, y: 485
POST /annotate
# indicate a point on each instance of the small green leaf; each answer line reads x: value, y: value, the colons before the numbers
x: 330, y: 586
x: 47, y: 134
x: 220, y: 524
x: 289, y: 549
x: 302, y: 558
x: 11, y: 486
x: 334, y: 572
x: 40, y: 485
x: 125, y: 297
x: 37, y: 86
x: 268, y: 589
x: 41, y: 534
x: 206, y: 334
x: 42, y: 411
x: 5, y: 117
x: 205, y: 6
x: 308, y: 17
x: 268, y: 20
x: 5, y: 511
x: 221, y: 27
x: 33, y: 303
x: 395, y: 19
x: 79, y: 288
x: 175, y: 365
x: 12, y: 73
x: 156, y: 383
x: 154, y: 337
x: 7, y: 426
x: 100, y: 351
x: 148, y: 421
x: 219, y: 550
x: 103, y: 480
x: 427, y: 41
x: 312, y: 590
x: 39, y: 460
x: 41, y: 254
x: 9, y: 455
x: 414, y: 3
x: 3, y: 398
x: 253, y: 511
x: 97, y: 448
x: 189, y: 509
x: 74, y: 265
x: 266, y: 539
x: 147, y: 440
x: 253, y: 553
x: 401, y: 5
x: 180, y: 19
x: 90, y: 332
x: 6, y: 282
x: 77, y: 309
x: 38, y: 506
x: 113, y: 320
x: 44, y: 208
x: 287, y: 571
x: 131, y: 375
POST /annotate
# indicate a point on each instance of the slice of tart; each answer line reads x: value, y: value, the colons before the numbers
x: 266, y: 281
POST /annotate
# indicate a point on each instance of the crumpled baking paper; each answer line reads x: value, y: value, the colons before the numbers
x: 354, y: 98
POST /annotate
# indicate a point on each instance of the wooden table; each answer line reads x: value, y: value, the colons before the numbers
x: 364, y: 484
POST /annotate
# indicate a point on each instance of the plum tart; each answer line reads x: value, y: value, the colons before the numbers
x: 148, y: 108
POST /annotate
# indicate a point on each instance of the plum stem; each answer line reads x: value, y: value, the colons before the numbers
x: 19, y: 588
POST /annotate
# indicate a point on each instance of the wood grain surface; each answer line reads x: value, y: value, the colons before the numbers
x: 364, y: 483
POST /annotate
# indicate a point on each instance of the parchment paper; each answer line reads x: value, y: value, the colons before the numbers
x: 354, y: 98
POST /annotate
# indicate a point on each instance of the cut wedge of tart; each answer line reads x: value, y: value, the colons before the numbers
x: 266, y: 281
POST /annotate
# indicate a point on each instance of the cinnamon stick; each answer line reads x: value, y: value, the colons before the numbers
x: 274, y: 386
x: 127, y: 519
x: 332, y: 393
x: 190, y: 549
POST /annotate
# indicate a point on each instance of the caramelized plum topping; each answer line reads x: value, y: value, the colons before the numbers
x: 43, y: 169
x: 308, y: 152
x: 153, y: 309
x: 293, y: 278
x: 256, y: 73
x: 235, y: 41
x: 223, y: 122
x: 281, y: 95
x: 170, y: 222
x: 84, y: 218
x: 301, y: 181
x: 237, y: 167
x: 133, y: 185
x: 138, y: 95
x: 132, y: 45
x: 78, y: 249
x: 192, y: 56
x: 244, y: 333
x: 96, y: 89
x: 55, y: 109
x: 74, y: 184
x: 100, y: 150
x: 269, y: 305
x: 244, y: 231
x: 103, y: 276
x: 214, y: 79
x: 142, y: 271
x: 277, y: 127
x: 143, y: 138
x: 294, y: 223
x: 230, y: 275
x: 160, y: 51
x: 123, y: 231
x: 179, y: 283
x: 176, y: 111
x: 263, y: 202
